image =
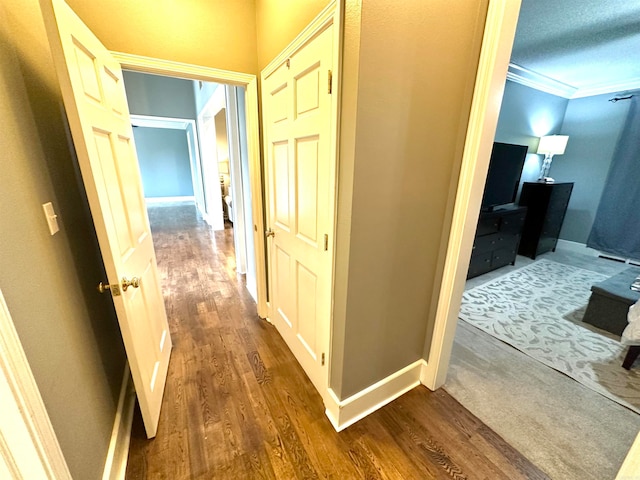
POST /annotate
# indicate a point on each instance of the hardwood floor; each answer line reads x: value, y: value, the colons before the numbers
x: 237, y: 404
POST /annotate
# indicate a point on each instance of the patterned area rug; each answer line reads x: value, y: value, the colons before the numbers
x: 525, y: 309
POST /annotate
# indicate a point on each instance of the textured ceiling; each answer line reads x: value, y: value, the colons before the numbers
x: 586, y: 44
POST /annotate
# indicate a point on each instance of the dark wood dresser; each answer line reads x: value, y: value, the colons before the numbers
x: 546, y: 206
x: 496, y: 240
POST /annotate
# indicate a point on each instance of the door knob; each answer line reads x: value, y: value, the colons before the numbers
x: 134, y: 282
x: 270, y: 233
x: 103, y: 287
x: 115, y: 288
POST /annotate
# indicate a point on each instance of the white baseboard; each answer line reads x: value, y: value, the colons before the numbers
x: 343, y: 413
x: 583, y: 249
x: 577, y: 248
x: 115, y: 465
x: 616, y: 258
x: 170, y: 199
x: 200, y: 208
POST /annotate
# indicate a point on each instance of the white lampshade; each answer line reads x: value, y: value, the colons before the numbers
x: 553, y: 144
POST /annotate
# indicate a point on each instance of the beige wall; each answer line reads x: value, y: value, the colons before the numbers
x: 278, y: 22
x: 238, y: 35
x: 68, y: 331
x: 409, y: 71
x: 211, y: 33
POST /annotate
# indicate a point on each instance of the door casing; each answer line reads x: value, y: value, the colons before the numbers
x: 499, y: 33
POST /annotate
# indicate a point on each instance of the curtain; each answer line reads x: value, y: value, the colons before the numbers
x: 616, y: 228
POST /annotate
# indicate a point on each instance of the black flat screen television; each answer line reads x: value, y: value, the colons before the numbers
x: 503, y: 178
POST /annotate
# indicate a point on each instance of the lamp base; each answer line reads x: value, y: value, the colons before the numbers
x: 544, y: 171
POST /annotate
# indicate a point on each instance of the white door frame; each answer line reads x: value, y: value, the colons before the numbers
x: 29, y: 447
x: 240, y: 231
x: 250, y: 84
x: 236, y: 101
x: 150, y: 121
x: 210, y: 162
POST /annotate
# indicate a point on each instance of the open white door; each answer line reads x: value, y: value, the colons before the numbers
x: 297, y: 112
x: 95, y: 102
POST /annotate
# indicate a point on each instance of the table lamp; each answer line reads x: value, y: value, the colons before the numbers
x: 550, y: 145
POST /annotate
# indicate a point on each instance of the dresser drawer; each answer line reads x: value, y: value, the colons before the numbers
x: 486, y: 243
x: 487, y: 225
x: 480, y: 263
x: 497, y: 236
x: 512, y: 224
x: 504, y: 256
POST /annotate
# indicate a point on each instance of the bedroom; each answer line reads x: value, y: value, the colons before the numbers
x: 578, y: 105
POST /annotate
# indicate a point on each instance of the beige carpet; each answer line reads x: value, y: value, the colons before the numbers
x: 526, y: 309
x: 568, y: 430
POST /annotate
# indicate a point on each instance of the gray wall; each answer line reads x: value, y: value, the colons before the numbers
x: 163, y: 156
x: 401, y: 146
x: 69, y: 332
x: 164, y: 165
x: 159, y: 96
x: 594, y: 126
x: 526, y: 115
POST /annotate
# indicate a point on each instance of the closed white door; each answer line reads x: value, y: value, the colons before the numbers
x: 96, y: 106
x: 298, y: 121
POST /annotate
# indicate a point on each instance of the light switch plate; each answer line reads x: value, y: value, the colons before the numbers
x: 52, y: 218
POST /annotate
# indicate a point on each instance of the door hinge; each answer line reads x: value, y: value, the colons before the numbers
x: 330, y: 80
x: 326, y: 242
x: 322, y: 360
x: 288, y: 63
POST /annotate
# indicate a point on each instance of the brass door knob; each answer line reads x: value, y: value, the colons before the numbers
x: 134, y: 282
x: 115, y: 288
x: 270, y: 233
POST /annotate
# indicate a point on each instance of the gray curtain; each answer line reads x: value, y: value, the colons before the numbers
x: 616, y: 228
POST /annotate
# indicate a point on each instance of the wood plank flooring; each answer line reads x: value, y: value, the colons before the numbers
x: 237, y: 404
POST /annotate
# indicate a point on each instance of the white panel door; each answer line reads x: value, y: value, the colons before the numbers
x: 298, y: 122
x: 95, y: 102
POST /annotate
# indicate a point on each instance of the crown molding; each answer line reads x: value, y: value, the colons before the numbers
x: 540, y: 82
x: 619, y: 87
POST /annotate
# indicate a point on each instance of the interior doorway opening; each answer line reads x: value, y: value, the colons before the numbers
x: 486, y: 361
x: 202, y: 159
x: 246, y: 89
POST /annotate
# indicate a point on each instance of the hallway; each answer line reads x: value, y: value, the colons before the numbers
x: 238, y: 405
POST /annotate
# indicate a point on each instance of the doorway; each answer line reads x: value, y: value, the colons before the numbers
x: 201, y: 159
x: 240, y: 91
x: 469, y: 193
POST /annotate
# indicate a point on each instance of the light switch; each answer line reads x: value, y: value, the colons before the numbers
x: 52, y: 218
